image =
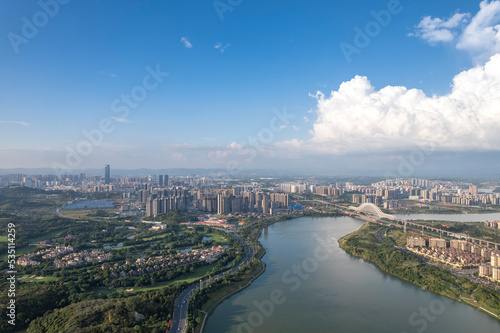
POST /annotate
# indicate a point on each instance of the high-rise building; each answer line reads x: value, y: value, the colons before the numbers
x: 160, y: 180
x: 473, y: 189
x: 107, y: 174
x: 437, y: 242
x: 415, y: 241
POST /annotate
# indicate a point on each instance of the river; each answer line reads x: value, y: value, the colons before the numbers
x: 311, y: 285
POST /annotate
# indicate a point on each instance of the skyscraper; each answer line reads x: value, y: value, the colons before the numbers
x: 107, y: 174
x: 160, y: 180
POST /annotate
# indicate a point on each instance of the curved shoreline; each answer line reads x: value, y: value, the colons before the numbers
x: 220, y: 301
x: 459, y: 299
x: 259, y: 232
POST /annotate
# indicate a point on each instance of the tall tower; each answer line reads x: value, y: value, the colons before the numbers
x: 107, y: 174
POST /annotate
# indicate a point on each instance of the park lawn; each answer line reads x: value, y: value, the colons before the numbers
x: 81, y: 214
x: 47, y: 236
x: 3, y: 239
x: 77, y: 214
x: 221, y: 240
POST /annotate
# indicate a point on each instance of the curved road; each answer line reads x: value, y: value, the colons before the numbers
x: 179, y: 320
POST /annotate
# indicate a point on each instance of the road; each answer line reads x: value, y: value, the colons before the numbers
x: 181, y: 304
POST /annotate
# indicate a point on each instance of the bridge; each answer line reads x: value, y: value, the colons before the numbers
x: 371, y: 209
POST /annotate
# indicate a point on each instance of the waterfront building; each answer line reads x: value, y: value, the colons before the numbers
x: 437, y: 242
x: 415, y: 241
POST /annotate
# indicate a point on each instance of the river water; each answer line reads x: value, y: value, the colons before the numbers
x: 311, y: 285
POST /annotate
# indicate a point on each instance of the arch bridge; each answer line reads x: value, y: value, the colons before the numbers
x: 372, y: 209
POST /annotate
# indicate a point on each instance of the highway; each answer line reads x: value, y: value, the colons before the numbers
x: 181, y: 304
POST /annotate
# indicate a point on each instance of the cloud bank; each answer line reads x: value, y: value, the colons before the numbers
x: 359, y: 118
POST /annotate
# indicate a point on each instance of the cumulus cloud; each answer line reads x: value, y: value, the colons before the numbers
x: 480, y: 36
x: 435, y: 30
x: 186, y: 43
x: 359, y: 118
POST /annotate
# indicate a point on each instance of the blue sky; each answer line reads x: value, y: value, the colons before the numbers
x: 270, y: 56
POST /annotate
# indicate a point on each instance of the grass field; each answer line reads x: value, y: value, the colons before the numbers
x: 222, y: 240
x: 48, y: 236
x: 81, y: 214
x: 3, y: 239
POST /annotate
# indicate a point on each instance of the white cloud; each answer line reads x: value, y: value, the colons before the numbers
x: 359, y: 118
x: 306, y: 120
x: 435, y: 30
x: 186, y: 43
x: 482, y: 35
x: 221, y: 47
x: 108, y: 74
x: 22, y: 123
x: 120, y: 120
x: 179, y: 157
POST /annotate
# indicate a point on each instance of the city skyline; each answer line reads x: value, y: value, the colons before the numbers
x: 351, y: 91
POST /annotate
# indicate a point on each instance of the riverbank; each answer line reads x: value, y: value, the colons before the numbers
x: 219, y: 295
x: 206, y: 301
x: 369, y: 243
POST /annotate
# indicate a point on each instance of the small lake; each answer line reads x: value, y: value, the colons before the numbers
x: 107, y: 247
x: 89, y: 204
